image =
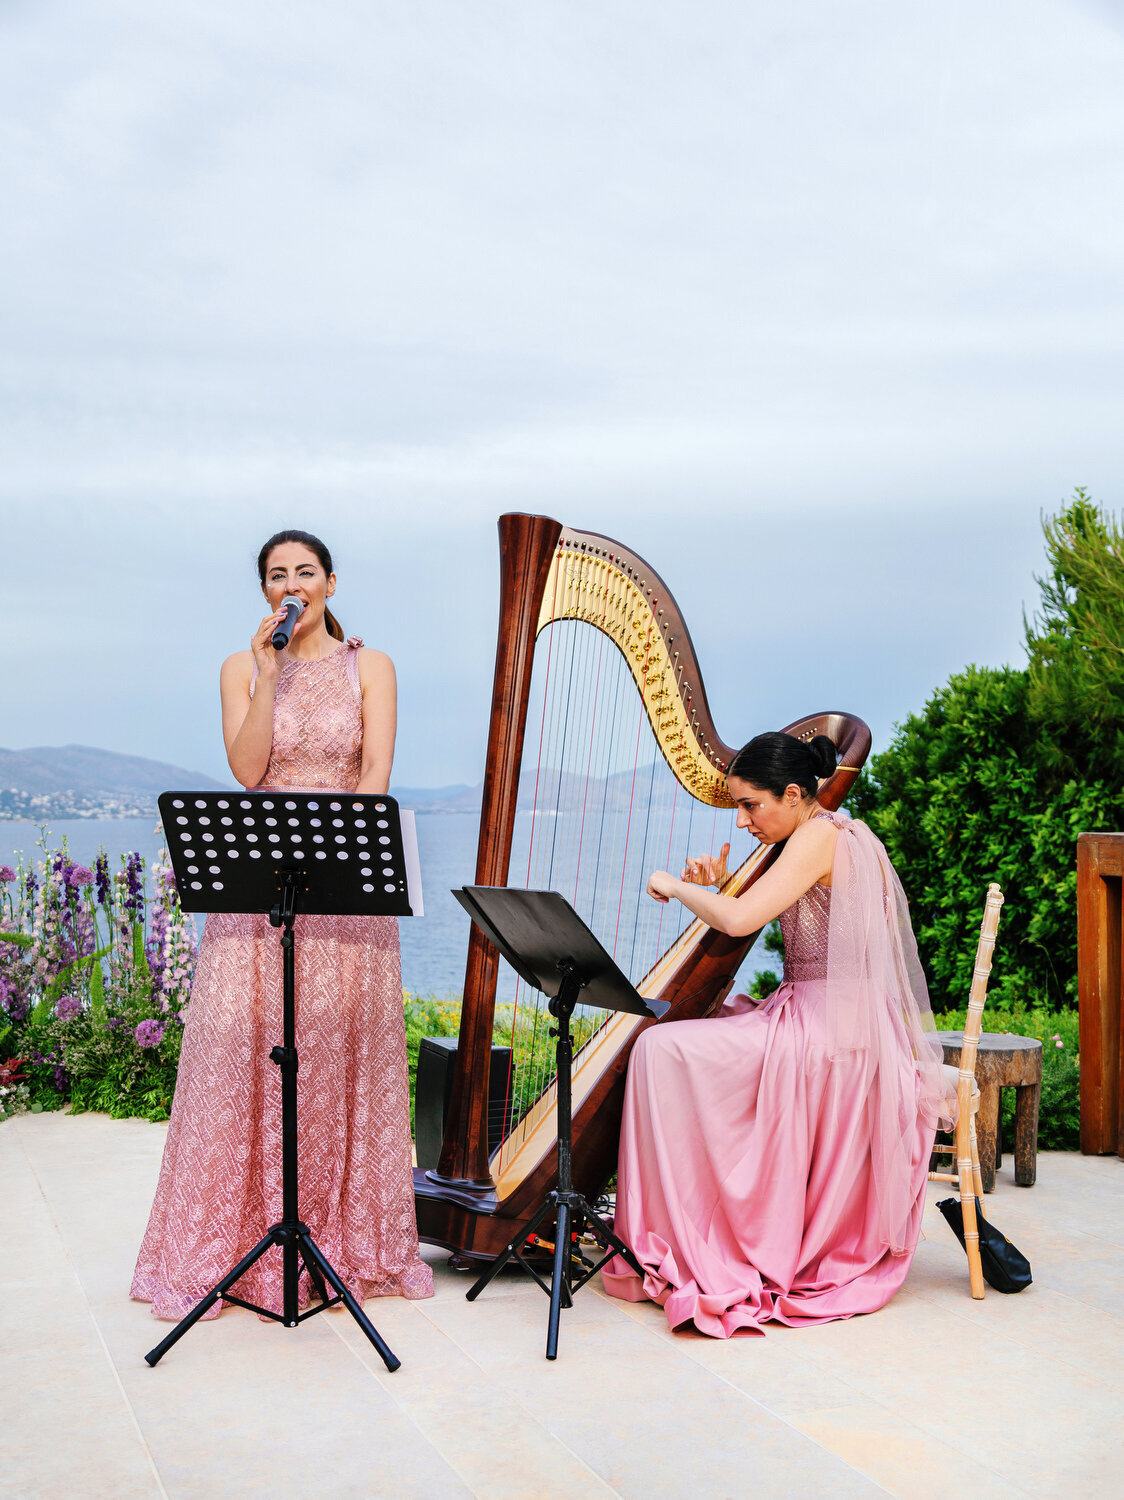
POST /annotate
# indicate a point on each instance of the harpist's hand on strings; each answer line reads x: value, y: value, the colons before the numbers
x: 707, y: 870
x: 661, y: 885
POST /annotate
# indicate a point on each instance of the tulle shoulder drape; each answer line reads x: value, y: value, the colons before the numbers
x: 878, y: 1007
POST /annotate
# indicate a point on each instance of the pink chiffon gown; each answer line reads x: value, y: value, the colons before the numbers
x: 220, y: 1180
x: 773, y: 1159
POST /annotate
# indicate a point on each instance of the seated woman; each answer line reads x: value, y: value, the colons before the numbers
x: 773, y: 1160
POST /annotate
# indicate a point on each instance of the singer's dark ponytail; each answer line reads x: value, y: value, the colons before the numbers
x: 323, y: 556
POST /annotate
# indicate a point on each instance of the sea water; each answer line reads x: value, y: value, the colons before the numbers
x: 433, y: 946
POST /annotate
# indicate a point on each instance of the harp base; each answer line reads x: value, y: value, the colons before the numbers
x: 468, y: 1189
x: 568, y: 1208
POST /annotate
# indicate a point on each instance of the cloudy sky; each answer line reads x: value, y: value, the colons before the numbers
x: 816, y: 306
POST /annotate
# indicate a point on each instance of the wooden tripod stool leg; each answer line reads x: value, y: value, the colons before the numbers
x: 1026, y: 1133
x: 987, y: 1128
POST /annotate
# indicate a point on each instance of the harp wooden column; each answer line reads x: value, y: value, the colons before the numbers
x: 526, y: 552
x: 1100, y: 893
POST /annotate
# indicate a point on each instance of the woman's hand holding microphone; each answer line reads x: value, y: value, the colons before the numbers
x: 261, y: 644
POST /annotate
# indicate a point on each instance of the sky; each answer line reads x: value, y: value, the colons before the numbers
x: 819, y: 308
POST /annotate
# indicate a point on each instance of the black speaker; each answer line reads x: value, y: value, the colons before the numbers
x: 434, y: 1086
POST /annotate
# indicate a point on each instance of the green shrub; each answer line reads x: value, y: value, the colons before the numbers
x: 1075, y: 645
x: 1001, y: 771
x: 962, y: 798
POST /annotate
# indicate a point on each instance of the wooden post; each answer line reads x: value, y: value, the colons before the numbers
x: 1100, y: 868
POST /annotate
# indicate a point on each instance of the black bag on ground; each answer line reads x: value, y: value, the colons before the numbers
x: 1005, y: 1268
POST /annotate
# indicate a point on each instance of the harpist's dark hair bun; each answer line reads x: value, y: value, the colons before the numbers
x: 776, y: 760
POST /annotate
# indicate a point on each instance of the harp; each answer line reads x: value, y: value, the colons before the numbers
x: 623, y: 773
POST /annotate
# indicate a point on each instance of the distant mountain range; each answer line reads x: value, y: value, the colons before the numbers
x: 77, y: 781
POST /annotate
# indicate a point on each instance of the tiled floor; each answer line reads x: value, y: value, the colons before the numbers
x: 933, y: 1396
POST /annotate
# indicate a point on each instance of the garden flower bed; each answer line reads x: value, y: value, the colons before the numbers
x: 95, y: 978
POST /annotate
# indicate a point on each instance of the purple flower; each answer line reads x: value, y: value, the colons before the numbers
x: 134, y: 887
x: 67, y: 1006
x: 101, y: 876
x: 149, y: 1033
x: 154, y: 948
x: 7, y: 874
x: 17, y: 1007
x: 77, y: 875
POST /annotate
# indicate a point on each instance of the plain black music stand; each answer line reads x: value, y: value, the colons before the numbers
x: 339, y: 853
x: 547, y: 943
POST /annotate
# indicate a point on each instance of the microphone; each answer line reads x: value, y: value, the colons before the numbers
x: 282, y: 632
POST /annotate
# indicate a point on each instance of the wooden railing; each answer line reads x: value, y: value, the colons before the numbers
x: 1100, y: 905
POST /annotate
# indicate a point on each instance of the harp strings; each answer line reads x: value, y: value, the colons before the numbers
x: 599, y: 809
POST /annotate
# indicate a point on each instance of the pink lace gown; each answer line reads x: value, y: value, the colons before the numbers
x: 747, y: 1183
x: 220, y: 1180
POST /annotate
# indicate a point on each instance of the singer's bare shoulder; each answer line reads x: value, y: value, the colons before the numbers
x: 376, y: 671
x: 237, y: 670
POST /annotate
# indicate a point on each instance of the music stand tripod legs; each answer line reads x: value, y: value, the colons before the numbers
x: 569, y: 1208
x: 293, y: 1237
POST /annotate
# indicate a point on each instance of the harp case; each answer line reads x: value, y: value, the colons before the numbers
x: 594, y: 665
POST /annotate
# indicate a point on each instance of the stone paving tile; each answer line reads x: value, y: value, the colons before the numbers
x: 243, y: 1407
x: 861, y: 1430
x: 57, y: 1375
x: 1074, y: 1195
x: 1016, y: 1396
x: 978, y: 1391
x: 902, y: 1457
x: 1075, y: 1333
x: 648, y: 1421
x: 492, y: 1440
x: 239, y: 1406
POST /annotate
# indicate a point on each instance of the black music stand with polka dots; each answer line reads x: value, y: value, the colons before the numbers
x: 336, y: 853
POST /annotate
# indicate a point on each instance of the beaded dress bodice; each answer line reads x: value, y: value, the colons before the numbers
x: 804, y: 929
x: 317, y: 724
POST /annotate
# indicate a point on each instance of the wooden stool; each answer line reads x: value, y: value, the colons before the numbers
x: 1004, y: 1061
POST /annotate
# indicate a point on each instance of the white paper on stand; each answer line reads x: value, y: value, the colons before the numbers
x: 413, y: 864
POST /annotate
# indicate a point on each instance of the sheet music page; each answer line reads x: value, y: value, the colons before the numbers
x: 413, y: 863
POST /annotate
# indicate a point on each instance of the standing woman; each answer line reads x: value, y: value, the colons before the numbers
x: 773, y: 1160
x: 319, y: 716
